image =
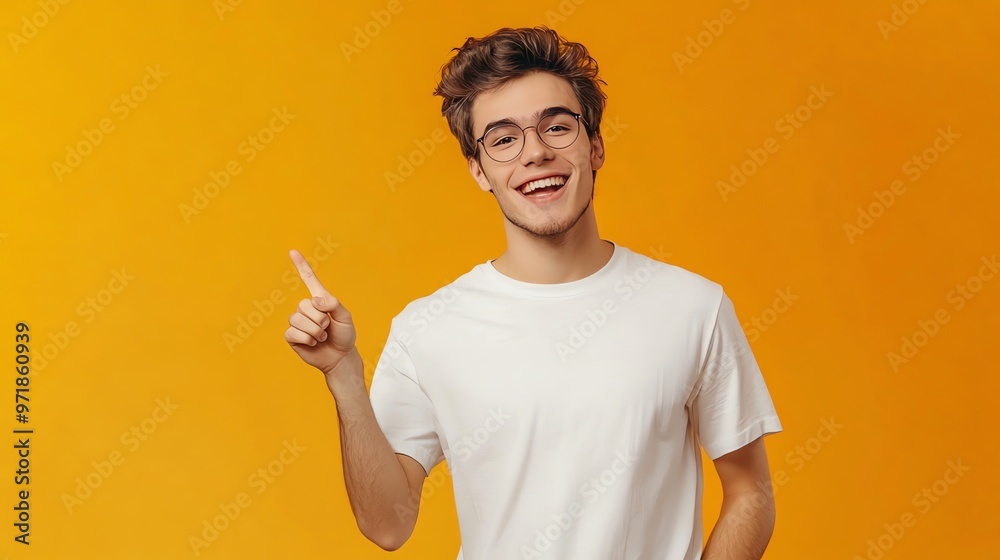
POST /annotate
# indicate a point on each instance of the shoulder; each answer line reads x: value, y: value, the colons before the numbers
x: 674, y: 281
x: 423, y: 311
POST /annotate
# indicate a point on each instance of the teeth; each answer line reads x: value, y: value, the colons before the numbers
x: 546, y: 182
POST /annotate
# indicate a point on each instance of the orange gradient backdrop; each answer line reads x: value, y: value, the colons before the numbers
x: 160, y: 160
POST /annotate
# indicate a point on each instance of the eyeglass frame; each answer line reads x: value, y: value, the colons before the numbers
x: 524, y: 131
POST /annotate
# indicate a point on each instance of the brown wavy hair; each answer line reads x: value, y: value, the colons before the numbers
x: 484, y: 64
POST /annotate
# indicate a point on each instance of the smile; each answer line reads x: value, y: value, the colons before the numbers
x: 544, y: 188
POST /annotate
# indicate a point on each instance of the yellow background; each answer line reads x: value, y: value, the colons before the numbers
x: 322, y: 178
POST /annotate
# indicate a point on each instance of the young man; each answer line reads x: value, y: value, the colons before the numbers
x: 570, y: 382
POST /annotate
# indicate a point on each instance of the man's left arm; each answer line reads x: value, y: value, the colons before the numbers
x: 747, y: 519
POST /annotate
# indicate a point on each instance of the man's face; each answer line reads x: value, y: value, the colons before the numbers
x: 550, y: 211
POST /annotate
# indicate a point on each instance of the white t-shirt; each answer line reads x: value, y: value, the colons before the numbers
x: 571, y: 414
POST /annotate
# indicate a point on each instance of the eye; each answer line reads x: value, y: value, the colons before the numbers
x: 502, y: 137
x: 558, y: 124
x: 503, y: 141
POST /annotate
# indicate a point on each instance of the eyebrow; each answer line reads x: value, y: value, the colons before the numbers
x: 534, y: 117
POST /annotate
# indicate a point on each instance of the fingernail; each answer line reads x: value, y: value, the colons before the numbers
x: 322, y: 338
x: 318, y: 301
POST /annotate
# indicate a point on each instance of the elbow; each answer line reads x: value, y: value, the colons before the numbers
x: 389, y: 542
x: 386, y: 538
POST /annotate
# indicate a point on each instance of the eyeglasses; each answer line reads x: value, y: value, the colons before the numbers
x: 505, y: 142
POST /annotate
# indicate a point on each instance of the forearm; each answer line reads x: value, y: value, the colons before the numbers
x: 375, y: 480
x: 744, y: 527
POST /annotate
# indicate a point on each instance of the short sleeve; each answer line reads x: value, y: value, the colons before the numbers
x: 730, y: 404
x: 403, y: 411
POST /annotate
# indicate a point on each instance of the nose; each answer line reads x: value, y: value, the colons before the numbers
x: 534, y: 150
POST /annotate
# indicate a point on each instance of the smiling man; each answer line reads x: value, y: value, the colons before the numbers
x: 570, y: 383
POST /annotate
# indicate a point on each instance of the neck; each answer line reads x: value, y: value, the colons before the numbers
x: 576, y: 254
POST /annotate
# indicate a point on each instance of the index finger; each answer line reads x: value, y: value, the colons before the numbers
x: 308, y: 276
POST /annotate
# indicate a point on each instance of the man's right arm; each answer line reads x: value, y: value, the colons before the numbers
x: 383, y: 487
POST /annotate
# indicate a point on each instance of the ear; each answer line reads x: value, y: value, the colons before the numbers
x: 477, y: 173
x: 597, y: 151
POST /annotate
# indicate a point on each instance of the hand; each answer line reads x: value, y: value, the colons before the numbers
x: 321, y: 332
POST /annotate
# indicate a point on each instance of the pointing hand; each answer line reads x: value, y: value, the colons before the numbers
x: 322, y: 331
